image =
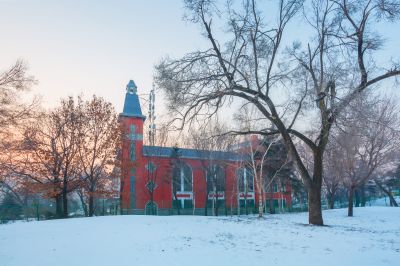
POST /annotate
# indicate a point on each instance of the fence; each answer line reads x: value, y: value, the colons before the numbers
x: 45, y: 209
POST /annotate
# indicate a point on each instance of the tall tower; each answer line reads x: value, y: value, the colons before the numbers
x: 132, y: 121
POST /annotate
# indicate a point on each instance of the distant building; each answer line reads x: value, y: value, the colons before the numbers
x: 170, y: 180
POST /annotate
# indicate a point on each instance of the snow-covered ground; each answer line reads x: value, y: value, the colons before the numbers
x: 372, y: 237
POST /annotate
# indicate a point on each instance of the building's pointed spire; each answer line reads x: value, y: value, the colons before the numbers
x: 131, y: 87
x: 132, y: 105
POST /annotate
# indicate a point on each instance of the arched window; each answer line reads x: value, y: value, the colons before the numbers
x: 245, y: 179
x: 276, y: 187
x: 182, y: 178
x: 215, y: 178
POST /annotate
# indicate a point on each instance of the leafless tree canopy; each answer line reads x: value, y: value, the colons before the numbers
x: 99, y: 139
x: 12, y: 82
x: 365, y: 142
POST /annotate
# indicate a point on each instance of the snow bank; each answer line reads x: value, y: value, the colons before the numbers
x: 372, y: 237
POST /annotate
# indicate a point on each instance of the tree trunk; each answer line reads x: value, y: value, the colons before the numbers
x: 214, y: 203
x: 238, y: 202
x: 280, y: 198
x: 91, y: 205
x: 314, y: 205
x: 314, y: 191
x: 331, y: 200
x: 59, y: 212
x: 393, y: 202
x: 260, y: 201
x: 301, y: 201
x: 83, y: 203
x: 216, y: 206
x: 351, y: 196
x: 358, y: 198
x: 362, y: 195
x: 65, y: 201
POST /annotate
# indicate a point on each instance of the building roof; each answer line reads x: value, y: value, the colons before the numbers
x: 132, y: 105
x: 158, y: 151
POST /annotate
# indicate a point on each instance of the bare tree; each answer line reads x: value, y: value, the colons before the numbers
x: 267, y: 152
x: 99, y: 134
x: 13, y: 112
x: 367, y: 142
x: 210, y: 143
x: 252, y: 65
x: 48, y: 156
x: 13, y: 82
x: 258, y: 156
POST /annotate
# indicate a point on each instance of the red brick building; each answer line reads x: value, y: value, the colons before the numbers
x: 174, y: 180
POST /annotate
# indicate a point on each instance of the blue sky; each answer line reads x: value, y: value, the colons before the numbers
x: 95, y: 47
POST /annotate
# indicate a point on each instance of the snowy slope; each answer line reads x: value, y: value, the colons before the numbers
x: 372, y: 237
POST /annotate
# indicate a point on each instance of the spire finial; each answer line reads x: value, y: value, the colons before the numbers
x: 131, y: 87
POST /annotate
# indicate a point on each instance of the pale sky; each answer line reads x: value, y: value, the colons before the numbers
x: 96, y: 46
x: 92, y: 46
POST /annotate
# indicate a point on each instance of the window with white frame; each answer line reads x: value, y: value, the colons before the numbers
x: 215, y: 178
x: 182, y: 178
x: 245, y: 179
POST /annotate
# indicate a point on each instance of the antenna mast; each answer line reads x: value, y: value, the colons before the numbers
x: 152, y: 117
